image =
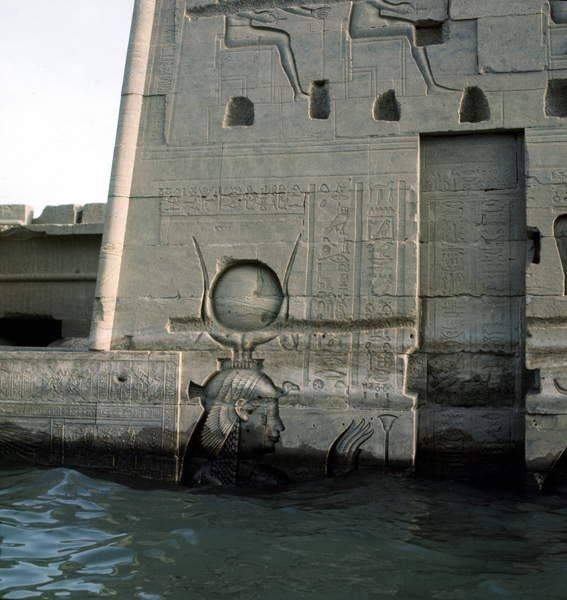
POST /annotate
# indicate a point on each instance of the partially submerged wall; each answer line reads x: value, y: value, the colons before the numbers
x: 346, y: 214
x: 115, y: 411
x: 266, y: 122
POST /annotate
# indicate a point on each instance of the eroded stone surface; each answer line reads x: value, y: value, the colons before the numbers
x: 285, y: 191
x: 372, y: 203
x: 113, y: 411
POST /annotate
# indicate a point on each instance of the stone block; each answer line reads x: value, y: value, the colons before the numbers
x: 491, y: 269
x: 146, y: 277
x: 15, y: 214
x: 545, y: 441
x: 63, y: 214
x: 354, y: 119
x: 546, y: 309
x: 464, y: 9
x: 457, y: 56
x: 551, y: 397
x: 468, y: 164
x: 430, y: 113
x: 508, y: 44
x: 93, y: 213
x: 547, y: 277
x: 546, y: 201
x: 468, y: 429
x: 522, y: 104
x: 558, y: 44
x: 545, y: 147
x: 547, y: 341
x: 112, y: 411
x: 449, y: 324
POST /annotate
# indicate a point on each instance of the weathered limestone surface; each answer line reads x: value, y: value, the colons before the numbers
x: 429, y: 274
x: 116, y: 411
x: 360, y: 210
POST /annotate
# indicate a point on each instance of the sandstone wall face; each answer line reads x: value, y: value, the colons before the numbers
x: 414, y: 155
x: 48, y: 268
x: 115, y: 411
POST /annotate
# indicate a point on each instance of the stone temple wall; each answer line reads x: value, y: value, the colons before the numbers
x: 355, y: 209
x: 417, y: 151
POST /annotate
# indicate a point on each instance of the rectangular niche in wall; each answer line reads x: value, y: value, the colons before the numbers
x: 472, y: 286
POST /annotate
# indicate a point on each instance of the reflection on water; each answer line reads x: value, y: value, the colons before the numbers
x: 65, y: 535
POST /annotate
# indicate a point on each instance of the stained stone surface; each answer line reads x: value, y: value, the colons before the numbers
x: 413, y: 290
x: 310, y: 204
x: 114, y: 411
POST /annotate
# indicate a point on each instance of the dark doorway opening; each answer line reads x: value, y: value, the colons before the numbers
x: 29, y: 331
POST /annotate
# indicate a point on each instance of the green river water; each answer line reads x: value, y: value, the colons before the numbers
x: 64, y: 534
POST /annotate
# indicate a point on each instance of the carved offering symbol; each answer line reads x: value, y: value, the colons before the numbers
x: 387, y: 424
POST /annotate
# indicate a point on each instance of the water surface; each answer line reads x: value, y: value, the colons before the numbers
x: 64, y: 534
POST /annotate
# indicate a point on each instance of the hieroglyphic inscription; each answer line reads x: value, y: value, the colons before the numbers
x: 82, y: 381
x: 88, y: 411
x: 384, y: 207
x: 167, y: 20
x: 209, y: 199
x: 559, y: 187
x: 472, y: 223
x: 377, y: 365
x: 334, y: 255
x: 468, y: 177
x: 482, y: 379
x: 473, y: 242
x: 166, y: 68
x: 384, y: 212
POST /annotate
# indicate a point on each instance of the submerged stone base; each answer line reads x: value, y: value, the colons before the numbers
x: 131, y: 413
x: 546, y: 427
x: 116, y: 411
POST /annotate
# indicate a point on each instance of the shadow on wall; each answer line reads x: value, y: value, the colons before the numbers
x: 560, y: 233
x: 29, y: 331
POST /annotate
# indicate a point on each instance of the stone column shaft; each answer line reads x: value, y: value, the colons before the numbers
x: 122, y: 173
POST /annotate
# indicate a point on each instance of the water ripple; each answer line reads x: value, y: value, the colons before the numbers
x: 66, y: 535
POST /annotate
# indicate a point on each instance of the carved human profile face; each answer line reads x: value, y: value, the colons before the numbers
x: 260, y: 426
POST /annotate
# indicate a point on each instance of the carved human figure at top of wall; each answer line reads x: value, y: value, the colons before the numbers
x: 255, y: 28
x: 387, y: 19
